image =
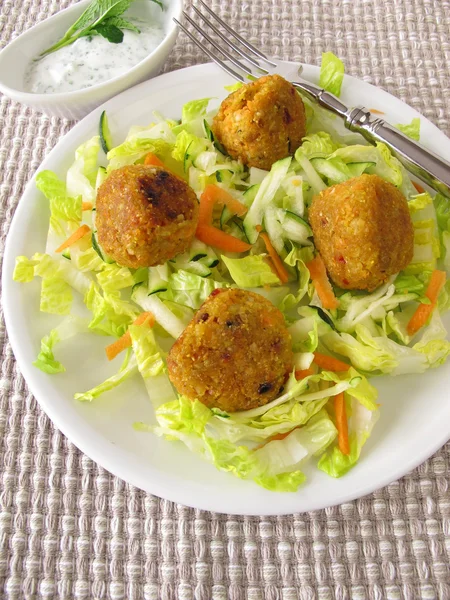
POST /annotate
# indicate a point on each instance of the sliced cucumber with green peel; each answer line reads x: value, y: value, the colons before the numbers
x: 274, y: 229
x: 294, y: 227
x: 264, y: 196
x: 66, y: 254
x: 105, y: 134
x: 101, y: 176
x: 327, y: 169
x: 99, y: 249
x: 195, y: 267
x: 158, y: 278
x: 210, y: 136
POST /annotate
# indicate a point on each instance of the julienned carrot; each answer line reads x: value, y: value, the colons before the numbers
x: 219, y: 239
x: 375, y: 111
x: 125, y: 341
x: 302, y: 373
x: 76, y: 235
x: 86, y: 206
x: 321, y: 282
x: 152, y: 160
x: 205, y: 210
x: 329, y: 363
x: 118, y: 346
x: 276, y: 437
x: 418, y: 187
x: 423, y: 312
x: 278, y: 264
x: 341, y: 423
x: 213, y: 194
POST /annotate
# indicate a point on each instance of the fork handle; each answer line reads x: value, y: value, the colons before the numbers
x: 423, y: 163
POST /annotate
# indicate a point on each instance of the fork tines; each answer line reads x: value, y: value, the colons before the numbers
x: 250, y: 55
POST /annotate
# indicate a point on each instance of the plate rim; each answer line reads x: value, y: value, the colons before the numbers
x: 90, y: 447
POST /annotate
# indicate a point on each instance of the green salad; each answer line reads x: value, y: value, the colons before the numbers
x: 367, y: 331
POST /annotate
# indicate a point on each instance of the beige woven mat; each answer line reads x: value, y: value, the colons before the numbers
x: 68, y: 529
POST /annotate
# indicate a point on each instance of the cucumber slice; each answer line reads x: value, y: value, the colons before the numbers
x: 210, y: 136
x: 330, y: 171
x: 105, y: 134
x: 250, y: 194
x: 198, y: 251
x: 208, y: 133
x: 295, y: 217
x: 101, y: 176
x: 195, y: 267
x: 236, y: 229
x: 66, y: 254
x: 264, y: 196
x: 274, y: 228
x: 96, y: 246
x: 294, y: 227
x: 99, y: 249
x: 158, y: 279
x: 312, y: 176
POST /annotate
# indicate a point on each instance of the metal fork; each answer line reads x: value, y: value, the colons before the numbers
x: 252, y: 63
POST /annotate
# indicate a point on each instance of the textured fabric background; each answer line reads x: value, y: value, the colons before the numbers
x: 69, y: 530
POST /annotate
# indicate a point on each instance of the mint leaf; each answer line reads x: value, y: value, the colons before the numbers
x: 96, y: 19
x: 122, y: 24
x: 110, y: 32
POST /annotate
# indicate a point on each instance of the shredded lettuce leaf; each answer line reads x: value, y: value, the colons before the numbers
x: 331, y: 73
x: 250, y: 271
x: 412, y: 129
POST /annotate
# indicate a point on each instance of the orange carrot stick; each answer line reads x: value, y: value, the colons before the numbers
x: 212, y: 195
x: 219, y: 239
x: 77, y: 235
x: 221, y: 196
x: 205, y: 210
x: 341, y: 423
x: 87, y: 206
x: 152, y: 160
x: 118, y: 346
x: 329, y: 363
x: 423, y: 312
x: 125, y: 341
x: 276, y: 437
x: 281, y: 270
x: 302, y: 373
x: 321, y: 282
x: 375, y: 111
x: 418, y: 187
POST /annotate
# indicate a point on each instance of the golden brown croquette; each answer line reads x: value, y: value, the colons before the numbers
x: 235, y: 354
x: 145, y: 215
x: 363, y: 231
x: 261, y: 122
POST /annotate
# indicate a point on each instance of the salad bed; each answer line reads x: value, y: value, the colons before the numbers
x: 368, y: 332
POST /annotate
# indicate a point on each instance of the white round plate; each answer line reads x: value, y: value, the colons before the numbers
x: 415, y: 411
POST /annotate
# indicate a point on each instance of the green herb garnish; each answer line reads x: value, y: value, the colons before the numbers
x: 101, y: 17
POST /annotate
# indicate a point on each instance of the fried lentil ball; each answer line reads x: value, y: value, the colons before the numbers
x: 235, y: 354
x: 363, y: 230
x: 145, y: 215
x: 261, y: 122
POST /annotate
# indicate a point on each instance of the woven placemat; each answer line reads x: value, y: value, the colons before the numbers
x: 70, y: 530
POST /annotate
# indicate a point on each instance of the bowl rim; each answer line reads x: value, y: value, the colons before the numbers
x: 85, y: 92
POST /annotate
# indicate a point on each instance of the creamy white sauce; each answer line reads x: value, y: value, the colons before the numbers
x: 91, y: 60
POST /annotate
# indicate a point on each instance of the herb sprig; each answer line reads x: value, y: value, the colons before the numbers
x: 101, y: 17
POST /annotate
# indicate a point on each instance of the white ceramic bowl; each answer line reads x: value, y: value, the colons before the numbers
x: 16, y: 57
